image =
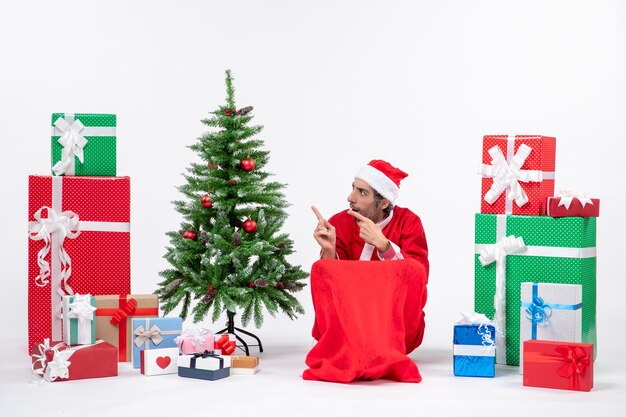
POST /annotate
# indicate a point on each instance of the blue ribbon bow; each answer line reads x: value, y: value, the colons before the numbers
x: 538, y: 311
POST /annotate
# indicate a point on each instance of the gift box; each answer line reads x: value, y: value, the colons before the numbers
x: 159, y: 361
x: 556, y: 364
x: 79, y: 324
x: 550, y: 312
x: 225, y: 344
x: 195, y: 341
x: 56, y: 361
x: 114, y: 315
x: 518, y: 174
x: 83, y: 144
x: 570, y: 206
x: 79, y: 229
x: 154, y: 333
x: 244, y: 365
x: 510, y: 250
x: 209, y: 366
x: 474, y: 350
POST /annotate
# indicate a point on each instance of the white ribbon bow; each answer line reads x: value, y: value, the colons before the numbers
x: 497, y: 253
x: 154, y: 334
x: 73, y: 143
x: 473, y: 318
x: 508, y: 175
x: 81, y: 309
x: 197, y: 335
x: 58, y: 367
x: 567, y: 196
x: 64, y: 225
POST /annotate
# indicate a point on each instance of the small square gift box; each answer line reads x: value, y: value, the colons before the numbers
x: 84, y: 144
x: 114, y: 318
x: 154, y: 333
x: 474, y: 347
x: 244, y: 365
x: 159, y: 361
x: 550, y: 312
x: 195, y: 341
x: 207, y: 365
x: 560, y: 365
x: 225, y: 344
x: 79, y: 324
x: 56, y: 361
x: 569, y: 203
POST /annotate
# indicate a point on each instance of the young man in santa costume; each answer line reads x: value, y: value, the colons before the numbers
x: 373, y: 228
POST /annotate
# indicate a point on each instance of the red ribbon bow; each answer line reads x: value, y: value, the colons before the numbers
x: 225, y: 344
x: 576, y: 362
x: 122, y: 313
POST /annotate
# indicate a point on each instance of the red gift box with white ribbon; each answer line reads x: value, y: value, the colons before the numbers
x: 79, y: 242
x: 572, y: 204
x: 518, y: 174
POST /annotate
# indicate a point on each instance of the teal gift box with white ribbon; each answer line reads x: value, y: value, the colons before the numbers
x: 550, y: 312
x: 84, y: 144
x: 79, y: 319
x: 154, y: 333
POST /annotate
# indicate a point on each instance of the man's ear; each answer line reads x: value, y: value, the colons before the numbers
x: 384, y: 203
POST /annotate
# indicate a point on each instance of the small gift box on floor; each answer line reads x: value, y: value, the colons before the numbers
x: 225, y: 344
x: 571, y: 204
x: 561, y: 365
x: 56, y: 361
x: 154, y: 333
x: 550, y: 312
x: 209, y: 366
x: 84, y: 144
x: 159, y: 361
x: 79, y: 324
x: 114, y: 316
x: 474, y: 347
x: 195, y: 341
x: 244, y: 365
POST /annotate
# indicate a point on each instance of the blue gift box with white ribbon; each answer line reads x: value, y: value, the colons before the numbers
x: 154, y: 333
x: 474, y: 350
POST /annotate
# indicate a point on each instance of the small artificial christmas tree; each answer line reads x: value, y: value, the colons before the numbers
x: 229, y: 253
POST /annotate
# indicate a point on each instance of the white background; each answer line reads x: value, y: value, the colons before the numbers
x: 335, y: 83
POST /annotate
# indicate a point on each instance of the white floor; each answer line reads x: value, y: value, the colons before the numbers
x: 278, y: 390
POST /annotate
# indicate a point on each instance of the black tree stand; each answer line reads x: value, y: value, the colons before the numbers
x: 230, y: 328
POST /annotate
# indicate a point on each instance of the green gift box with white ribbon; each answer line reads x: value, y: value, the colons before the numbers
x: 79, y: 324
x: 511, y: 249
x: 84, y: 144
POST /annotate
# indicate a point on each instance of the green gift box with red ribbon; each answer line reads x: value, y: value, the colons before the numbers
x: 512, y: 249
x: 114, y: 316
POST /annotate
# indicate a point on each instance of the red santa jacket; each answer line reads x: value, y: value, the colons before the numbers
x: 404, y: 230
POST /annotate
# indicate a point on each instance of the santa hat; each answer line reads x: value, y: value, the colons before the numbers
x: 383, y: 177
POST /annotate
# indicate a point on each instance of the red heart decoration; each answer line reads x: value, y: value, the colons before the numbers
x: 163, y: 361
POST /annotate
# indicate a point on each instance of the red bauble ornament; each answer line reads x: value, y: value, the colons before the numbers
x: 247, y: 164
x: 190, y: 234
x: 206, y: 201
x: 227, y: 112
x: 231, y: 182
x: 211, y: 287
x: 249, y: 226
x: 251, y: 284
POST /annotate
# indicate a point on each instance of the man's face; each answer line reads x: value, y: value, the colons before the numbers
x: 362, y: 200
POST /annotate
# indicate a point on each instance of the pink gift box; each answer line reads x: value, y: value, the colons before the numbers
x: 195, y: 341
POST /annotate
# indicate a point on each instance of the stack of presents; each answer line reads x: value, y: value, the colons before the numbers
x: 535, y: 271
x: 82, y: 317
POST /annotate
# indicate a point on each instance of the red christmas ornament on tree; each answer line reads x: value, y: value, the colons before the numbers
x: 190, y: 234
x: 251, y: 284
x: 211, y: 287
x: 247, y: 164
x: 232, y: 182
x: 206, y: 201
x: 227, y: 112
x: 249, y: 226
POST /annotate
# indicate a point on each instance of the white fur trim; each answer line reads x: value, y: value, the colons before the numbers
x: 380, y: 182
